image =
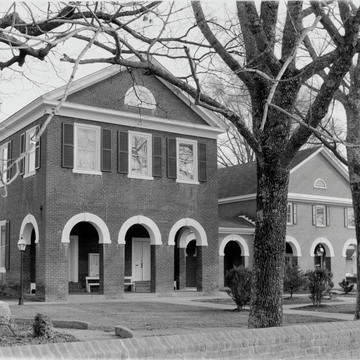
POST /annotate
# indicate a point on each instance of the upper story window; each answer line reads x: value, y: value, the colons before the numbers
x: 4, y: 245
x: 321, y: 215
x: 186, y: 153
x: 31, y: 162
x: 5, y: 157
x: 140, y: 155
x: 291, y: 216
x: 349, y: 218
x: 320, y: 184
x: 86, y: 149
x: 141, y: 97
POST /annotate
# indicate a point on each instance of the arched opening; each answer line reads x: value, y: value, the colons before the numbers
x: 138, y: 258
x: 84, y: 259
x: 232, y: 256
x: 290, y: 259
x: 320, y: 258
x: 351, y: 268
x: 191, y: 260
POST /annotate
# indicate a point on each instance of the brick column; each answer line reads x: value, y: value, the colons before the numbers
x: 112, y: 262
x: 221, y: 271
x: 199, y: 268
x: 182, y: 269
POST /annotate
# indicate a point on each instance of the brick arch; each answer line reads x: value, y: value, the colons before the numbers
x: 237, y: 238
x: 327, y: 245
x: 346, y: 245
x: 193, y: 225
x: 29, y: 222
x: 295, y: 246
x: 96, y: 221
x: 149, y: 225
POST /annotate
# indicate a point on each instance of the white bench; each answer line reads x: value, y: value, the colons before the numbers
x: 91, y: 281
x: 128, y: 282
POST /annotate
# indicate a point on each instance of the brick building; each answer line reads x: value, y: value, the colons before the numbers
x: 320, y: 218
x: 121, y: 188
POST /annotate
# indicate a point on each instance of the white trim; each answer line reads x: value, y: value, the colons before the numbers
x: 96, y: 221
x: 4, y: 161
x: 200, y: 234
x: 305, y: 160
x: 150, y: 226
x: 3, y: 268
x: 25, y: 230
x: 346, y: 245
x: 322, y: 181
x: 237, y: 238
x: 97, y: 151
x: 294, y: 242
x: 148, y: 137
x: 326, y: 243
x: 307, y: 198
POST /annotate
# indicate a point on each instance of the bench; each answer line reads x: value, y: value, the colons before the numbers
x: 129, y: 283
x: 91, y: 281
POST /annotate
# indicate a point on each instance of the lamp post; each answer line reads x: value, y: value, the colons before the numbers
x: 21, y: 246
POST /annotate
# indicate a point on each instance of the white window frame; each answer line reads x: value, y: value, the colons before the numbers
x: 289, y: 214
x: 4, y: 161
x: 350, y: 210
x: 30, y: 158
x: 180, y: 141
x: 2, y: 247
x: 97, y: 129
x: 318, y: 207
x: 149, y: 176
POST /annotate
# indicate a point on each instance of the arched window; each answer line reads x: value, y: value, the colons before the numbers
x: 141, y: 97
x: 320, y: 184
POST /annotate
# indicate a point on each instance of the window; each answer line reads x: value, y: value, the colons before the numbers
x: 87, y: 149
x: 186, y: 153
x: 349, y: 218
x: 4, y: 161
x: 140, y: 157
x: 321, y: 215
x: 31, y: 162
x: 141, y: 97
x: 4, y: 246
x: 320, y: 184
x: 291, y: 214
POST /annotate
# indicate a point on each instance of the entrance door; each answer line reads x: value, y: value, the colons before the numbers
x: 73, y: 259
x: 140, y: 259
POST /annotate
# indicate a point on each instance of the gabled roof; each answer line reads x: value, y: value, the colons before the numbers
x: 47, y: 102
x: 236, y: 222
x: 240, y: 180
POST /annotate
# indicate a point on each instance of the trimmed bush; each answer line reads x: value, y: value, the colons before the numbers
x: 238, y: 279
x: 346, y: 286
x: 320, y: 284
x: 294, y: 280
x: 43, y: 326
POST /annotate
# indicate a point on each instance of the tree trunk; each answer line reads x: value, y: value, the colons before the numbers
x: 353, y: 154
x: 269, y: 245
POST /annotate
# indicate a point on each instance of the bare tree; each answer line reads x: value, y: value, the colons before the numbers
x: 262, y: 53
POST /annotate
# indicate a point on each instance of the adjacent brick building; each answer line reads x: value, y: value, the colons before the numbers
x: 320, y: 218
x: 121, y: 187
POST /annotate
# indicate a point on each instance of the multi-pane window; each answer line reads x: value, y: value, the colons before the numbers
x: 187, y: 161
x: 87, y: 149
x: 140, y: 155
x: 31, y: 147
x: 349, y: 218
x: 4, y: 157
x: 291, y: 214
x: 321, y: 215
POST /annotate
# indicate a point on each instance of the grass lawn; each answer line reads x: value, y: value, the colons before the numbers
x: 147, y: 315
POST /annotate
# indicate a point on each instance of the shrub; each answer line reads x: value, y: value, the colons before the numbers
x: 238, y: 279
x: 9, y: 289
x: 294, y: 280
x: 43, y: 326
x: 346, y: 286
x: 320, y: 284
